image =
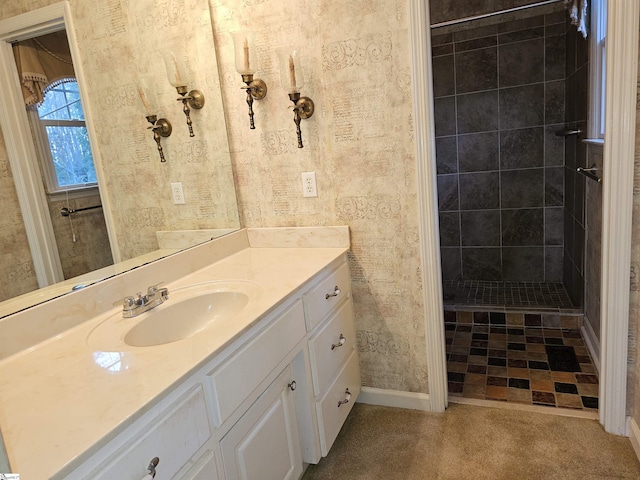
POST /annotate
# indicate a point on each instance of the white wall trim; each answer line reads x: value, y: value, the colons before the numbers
x: 634, y: 436
x: 423, y: 120
x: 20, y: 148
x: 617, y: 208
x: 395, y: 398
x: 593, y: 344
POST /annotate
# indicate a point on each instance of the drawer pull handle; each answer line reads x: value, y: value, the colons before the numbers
x: 347, y: 397
x: 340, y: 343
x: 335, y: 293
x: 151, y: 468
x: 292, y: 386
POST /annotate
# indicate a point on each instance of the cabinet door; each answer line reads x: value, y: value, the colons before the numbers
x: 264, y: 444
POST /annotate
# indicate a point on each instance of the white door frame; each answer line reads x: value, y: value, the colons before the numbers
x: 19, y: 144
x: 622, y: 76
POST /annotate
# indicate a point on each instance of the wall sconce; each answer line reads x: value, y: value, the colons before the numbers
x: 244, y: 44
x: 179, y: 76
x: 292, y: 79
x: 160, y: 127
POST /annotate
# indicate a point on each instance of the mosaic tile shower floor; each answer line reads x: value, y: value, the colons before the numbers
x: 518, y: 295
x: 530, y: 365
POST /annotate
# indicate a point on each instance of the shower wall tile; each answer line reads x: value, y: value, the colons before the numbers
x: 553, y: 259
x: 448, y: 192
x: 478, y: 152
x: 487, y: 31
x: 554, y: 58
x: 451, y: 260
x: 554, y: 186
x: 480, y: 228
x: 554, y: 102
x: 521, y: 24
x: 479, y: 191
x: 441, y: 39
x: 449, y: 229
x: 521, y: 35
x: 522, y: 148
x: 522, y: 188
x: 507, y: 82
x: 554, y: 226
x: 523, y: 264
x: 475, y: 44
x: 476, y: 70
x: 445, y: 116
x: 443, y: 76
x: 553, y: 145
x: 446, y: 155
x: 522, y: 63
x: 482, y: 264
x: 522, y: 227
x: 554, y: 30
x: 522, y: 106
x: 477, y: 112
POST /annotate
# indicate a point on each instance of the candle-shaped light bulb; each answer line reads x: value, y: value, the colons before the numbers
x: 292, y: 74
x: 245, y: 50
x: 176, y: 72
x: 145, y: 102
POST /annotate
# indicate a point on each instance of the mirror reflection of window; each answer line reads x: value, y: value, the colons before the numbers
x: 68, y: 163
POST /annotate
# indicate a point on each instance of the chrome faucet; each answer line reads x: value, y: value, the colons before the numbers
x: 135, y: 305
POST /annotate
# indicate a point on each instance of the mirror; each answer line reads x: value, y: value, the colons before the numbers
x: 116, y: 47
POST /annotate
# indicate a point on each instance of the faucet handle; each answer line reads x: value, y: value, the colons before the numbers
x: 154, y: 288
x: 127, y: 303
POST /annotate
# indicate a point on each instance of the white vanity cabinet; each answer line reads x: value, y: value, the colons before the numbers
x: 264, y: 443
x: 273, y: 399
x: 332, y: 362
x: 180, y: 435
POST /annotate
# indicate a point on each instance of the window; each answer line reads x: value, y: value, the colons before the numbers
x: 64, y: 142
x: 598, y: 68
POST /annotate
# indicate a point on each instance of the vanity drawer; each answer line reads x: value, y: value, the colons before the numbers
x: 328, y: 352
x: 236, y: 379
x: 331, y: 414
x: 324, y: 296
x: 174, y: 438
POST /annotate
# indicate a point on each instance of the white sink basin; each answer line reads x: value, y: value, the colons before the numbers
x: 188, y: 311
x: 181, y: 320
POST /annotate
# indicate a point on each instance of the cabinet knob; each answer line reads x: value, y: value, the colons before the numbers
x: 341, y: 342
x: 347, y: 397
x: 151, y: 468
x: 335, y: 293
x: 292, y: 386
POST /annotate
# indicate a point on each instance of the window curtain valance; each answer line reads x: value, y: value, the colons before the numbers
x: 43, y: 62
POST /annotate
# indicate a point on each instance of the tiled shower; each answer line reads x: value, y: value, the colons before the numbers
x: 512, y: 208
x: 510, y: 204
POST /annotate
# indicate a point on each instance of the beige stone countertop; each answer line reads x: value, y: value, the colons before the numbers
x: 62, y: 399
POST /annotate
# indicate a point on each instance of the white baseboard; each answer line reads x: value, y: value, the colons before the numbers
x: 394, y: 398
x: 634, y: 436
x: 593, y: 344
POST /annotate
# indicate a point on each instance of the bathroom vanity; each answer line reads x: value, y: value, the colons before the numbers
x: 256, y: 393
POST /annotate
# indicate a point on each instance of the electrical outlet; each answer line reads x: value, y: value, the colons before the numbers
x: 309, y: 187
x: 178, y: 194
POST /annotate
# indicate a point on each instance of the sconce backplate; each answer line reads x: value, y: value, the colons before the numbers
x: 307, y: 107
x: 196, y: 99
x: 163, y: 127
x: 258, y: 89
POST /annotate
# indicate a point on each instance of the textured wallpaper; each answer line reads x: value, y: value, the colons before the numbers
x: 17, y: 275
x: 360, y: 144
x: 633, y: 372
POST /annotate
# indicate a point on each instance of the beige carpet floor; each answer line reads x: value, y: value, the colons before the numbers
x: 470, y: 442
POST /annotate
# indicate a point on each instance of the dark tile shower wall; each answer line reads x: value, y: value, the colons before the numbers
x: 499, y: 98
x: 577, y: 101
